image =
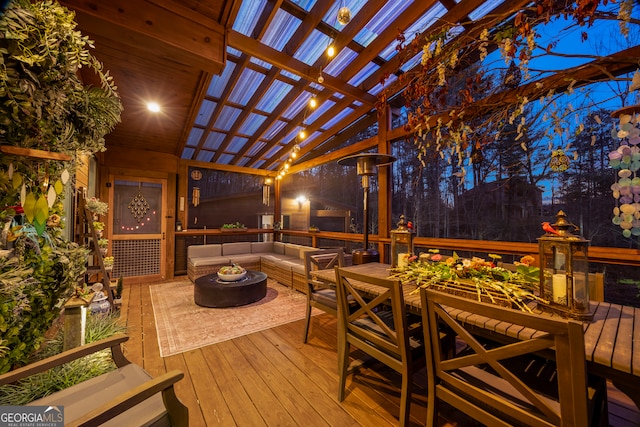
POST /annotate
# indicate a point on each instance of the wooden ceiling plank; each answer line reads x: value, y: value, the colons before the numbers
x: 204, y: 38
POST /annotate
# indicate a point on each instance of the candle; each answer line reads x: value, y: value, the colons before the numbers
x: 403, y: 259
x: 559, y: 282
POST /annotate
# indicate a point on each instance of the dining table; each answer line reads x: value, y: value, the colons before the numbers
x: 612, y: 337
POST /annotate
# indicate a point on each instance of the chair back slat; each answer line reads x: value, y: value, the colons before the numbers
x: 486, y: 378
x: 385, y: 322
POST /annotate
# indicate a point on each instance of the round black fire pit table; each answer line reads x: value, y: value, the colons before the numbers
x: 210, y: 291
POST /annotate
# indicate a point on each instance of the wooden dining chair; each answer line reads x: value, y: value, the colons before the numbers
x: 376, y: 323
x: 483, y: 382
x: 319, y: 294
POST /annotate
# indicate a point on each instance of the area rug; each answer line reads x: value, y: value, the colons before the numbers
x: 183, y: 325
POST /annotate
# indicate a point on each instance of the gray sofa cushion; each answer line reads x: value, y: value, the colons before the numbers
x: 209, y: 260
x: 197, y: 251
x: 259, y: 247
x: 236, y: 248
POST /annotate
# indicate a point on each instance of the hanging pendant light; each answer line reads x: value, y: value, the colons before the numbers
x: 344, y: 15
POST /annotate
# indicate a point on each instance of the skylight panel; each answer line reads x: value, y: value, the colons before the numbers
x: 234, y: 52
x: 290, y: 75
x: 421, y: 25
x: 304, y: 4
x: 251, y: 124
x: 380, y: 22
x: 484, y: 8
x: 214, y: 139
x: 237, y: 143
x: 273, y: 96
x: 312, y: 48
x: 296, y: 106
x: 227, y: 118
x: 274, y: 129
x: 340, y: 62
x: 248, y: 15
x: 194, y: 137
x: 264, y: 64
x: 224, y: 159
x: 363, y: 74
x: 187, y: 153
x: 246, y: 87
x: 322, y: 108
x: 219, y: 82
x: 204, y: 114
x: 378, y: 87
x: 256, y: 148
x: 341, y: 115
x: 204, y: 156
x: 282, y: 28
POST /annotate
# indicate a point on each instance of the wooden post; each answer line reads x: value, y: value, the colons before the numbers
x: 384, y: 183
x: 75, y: 317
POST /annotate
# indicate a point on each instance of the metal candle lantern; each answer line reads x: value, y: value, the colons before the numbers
x: 366, y: 166
x: 401, y: 244
x: 564, y: 270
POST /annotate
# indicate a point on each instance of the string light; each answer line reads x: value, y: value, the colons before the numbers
x: 331, y: 50
x: 313, y: 102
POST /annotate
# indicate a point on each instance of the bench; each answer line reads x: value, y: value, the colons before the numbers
x: 127, y: 395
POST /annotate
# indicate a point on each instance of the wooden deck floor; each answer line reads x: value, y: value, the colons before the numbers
x: 271, y: 378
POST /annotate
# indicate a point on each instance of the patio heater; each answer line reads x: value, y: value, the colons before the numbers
x: 366, y: 166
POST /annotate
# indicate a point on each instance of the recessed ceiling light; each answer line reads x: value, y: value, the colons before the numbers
x: 153, y: 107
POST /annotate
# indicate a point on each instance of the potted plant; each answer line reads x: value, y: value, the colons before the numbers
x: 98, y: 226
x: 314, y: 229
x: 103, y: 245
x: 108, y: 262
x: 97, y: 207
x: 234, y: 226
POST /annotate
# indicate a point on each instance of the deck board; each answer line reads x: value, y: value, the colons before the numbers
x: 271, y: 378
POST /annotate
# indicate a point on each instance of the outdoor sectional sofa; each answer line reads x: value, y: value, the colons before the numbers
x: 283, y: 262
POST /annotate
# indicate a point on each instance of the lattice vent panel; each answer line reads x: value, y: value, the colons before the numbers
x: 136, y: 257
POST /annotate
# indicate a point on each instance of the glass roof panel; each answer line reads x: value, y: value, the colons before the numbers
x: 187, y: 153
x: 264, y: 64
x: 234, y: 52
x: 194, y: 137
x: 273, y: 96
x: 363, y: 74
x: 341, y: 115
x: 219, y: 82
x: 296, y: 106
x: 484, y: 8
x: 290, y: 75
x: 282, y: 28
x: 246, y: 86
x: 340, y: 62
x: 312, y: 48
x: 256, y: 148
x: 305, y: 4
x: 214, y: 139
x: 274, y: 129
x: 225, y: 159
x: 380, y: 22
x: 320, y: 110
x: 428, y: 19
x: 248, y: 16
x: 236, y: 144
x: 251, y: 124
x: 227, y: 118
x: 206, y: 109
x: 204, y: 156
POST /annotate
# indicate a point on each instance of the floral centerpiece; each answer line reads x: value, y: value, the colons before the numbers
x: 476, y: 276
